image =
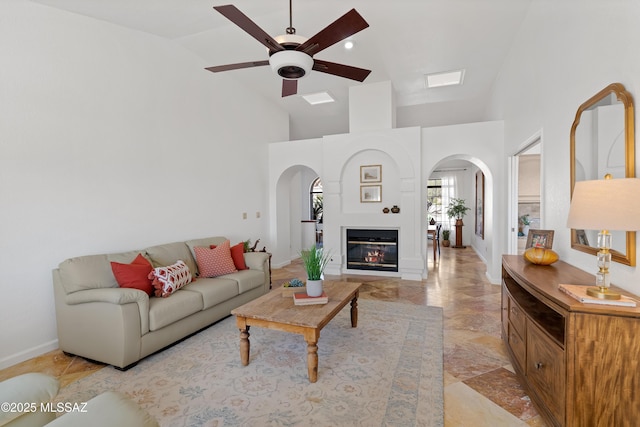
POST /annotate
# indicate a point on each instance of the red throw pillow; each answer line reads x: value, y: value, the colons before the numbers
x: 134, y: 275
x: 237, y: 255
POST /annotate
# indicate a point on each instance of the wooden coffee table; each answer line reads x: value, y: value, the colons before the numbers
x: 272, y: 311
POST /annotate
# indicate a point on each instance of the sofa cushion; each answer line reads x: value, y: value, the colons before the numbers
x: 214, y: 290
x: 165, y: 311
x: 214, y: 262
x: 247, y: 279
x: 134, y: 275
x: 108, y: 409
x: 86, y: 272
x: 205, y: 242
x: 163, y: 255
x: 167, y: 280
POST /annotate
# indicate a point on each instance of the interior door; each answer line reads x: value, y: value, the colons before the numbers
x: 525, y: 192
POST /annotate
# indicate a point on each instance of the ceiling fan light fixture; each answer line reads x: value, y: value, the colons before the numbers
x: 291, y: 64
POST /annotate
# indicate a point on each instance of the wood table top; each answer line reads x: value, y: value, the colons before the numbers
x: 273, y: 307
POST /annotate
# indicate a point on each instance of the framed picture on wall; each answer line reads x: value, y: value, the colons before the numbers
x: 480, y: 204
x: 370, y: 173
x: 540, y: 238
x: 582, y: 237
x: 370, y: 193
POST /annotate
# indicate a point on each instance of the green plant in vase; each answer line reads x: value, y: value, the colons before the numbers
x: 445, y: 238
x: 315, y: 260
x: 457, y: 210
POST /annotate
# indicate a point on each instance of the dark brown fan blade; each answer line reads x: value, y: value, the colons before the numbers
x: 346, y: 71
x: 343, y: 27
x: 234, y: 15
x: 238, y: 66
x: 289, y: 87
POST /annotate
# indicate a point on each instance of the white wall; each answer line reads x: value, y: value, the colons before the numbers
x: 565, y: 53
x: 110, y: 140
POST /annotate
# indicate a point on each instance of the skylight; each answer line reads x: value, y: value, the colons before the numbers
x: 449, y: 78
x: 318, y: 98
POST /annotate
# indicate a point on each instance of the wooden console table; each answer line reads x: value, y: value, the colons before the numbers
x: 578, y: 362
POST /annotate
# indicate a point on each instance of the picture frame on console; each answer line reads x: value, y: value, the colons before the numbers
x: 370, y: 193
x: 370, y: 173
x: 540, y: 238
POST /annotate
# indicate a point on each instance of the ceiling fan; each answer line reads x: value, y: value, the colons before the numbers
x: 290, y: 55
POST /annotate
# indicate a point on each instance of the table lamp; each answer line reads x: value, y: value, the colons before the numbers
x: 606, y: 205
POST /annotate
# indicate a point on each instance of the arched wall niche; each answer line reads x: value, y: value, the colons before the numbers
x: 398, y: 153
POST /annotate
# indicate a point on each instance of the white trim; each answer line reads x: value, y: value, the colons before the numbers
x: 512, y: 204
x: 28, y: 354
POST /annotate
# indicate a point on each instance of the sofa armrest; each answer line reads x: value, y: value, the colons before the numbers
x: 110, y: 295
x: 118, y: 296
x: 260, y: 261
x: 257, y: 260
x: 28, y: 391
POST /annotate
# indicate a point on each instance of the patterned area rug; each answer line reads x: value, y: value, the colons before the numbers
x: 386, y: 372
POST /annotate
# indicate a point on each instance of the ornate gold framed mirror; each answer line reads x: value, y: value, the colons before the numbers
x: 603, y: 141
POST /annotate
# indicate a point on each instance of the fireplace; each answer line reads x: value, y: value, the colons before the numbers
x: 372, y: 249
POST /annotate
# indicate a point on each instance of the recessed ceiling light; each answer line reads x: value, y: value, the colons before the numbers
x: 449, y: 78
x: 318, y: 98
x: 348, y: 44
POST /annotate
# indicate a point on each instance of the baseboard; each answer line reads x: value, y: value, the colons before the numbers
x: 14, y: 359
x: 280, y: 265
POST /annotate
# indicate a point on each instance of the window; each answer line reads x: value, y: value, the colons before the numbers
x: 434, y: 200
x: 316, y: 200
x: 440, y: 191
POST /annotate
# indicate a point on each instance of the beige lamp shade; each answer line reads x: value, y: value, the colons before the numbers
x: 606, y: 204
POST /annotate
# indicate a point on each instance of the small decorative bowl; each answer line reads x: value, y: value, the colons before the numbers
x: 540, y: 256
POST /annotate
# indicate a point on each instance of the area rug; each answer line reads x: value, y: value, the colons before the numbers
x: 386, y: 372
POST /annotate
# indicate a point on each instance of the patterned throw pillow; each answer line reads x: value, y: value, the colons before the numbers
x: 215, y: 262
x: 134, y: 275
x: 167, y: 280
x: 237, y: 254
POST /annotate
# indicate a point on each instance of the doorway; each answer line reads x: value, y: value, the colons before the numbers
x: 526, y: 202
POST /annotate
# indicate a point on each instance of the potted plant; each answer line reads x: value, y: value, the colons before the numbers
x: 318, y: 208
x: 445, y: 238
x: 315, y: 259
x: 525, y: 223
x: 457, y: 210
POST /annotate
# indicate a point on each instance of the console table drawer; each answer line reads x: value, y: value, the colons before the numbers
x: 517, y: 317
x: 518, y: 346
x: 546, y: 370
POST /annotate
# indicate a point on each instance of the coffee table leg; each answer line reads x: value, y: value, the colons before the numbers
x: 354, y: 311
x: 245, y: 345
x: 312, y: 360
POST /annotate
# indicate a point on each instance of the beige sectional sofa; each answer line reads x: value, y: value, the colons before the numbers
x: 98, y: 320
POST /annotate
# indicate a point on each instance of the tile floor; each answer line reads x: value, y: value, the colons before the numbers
x: 480, y: 387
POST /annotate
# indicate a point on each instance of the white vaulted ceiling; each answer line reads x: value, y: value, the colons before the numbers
x: 406, y: 40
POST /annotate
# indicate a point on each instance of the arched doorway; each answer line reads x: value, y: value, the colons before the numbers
x: 458, y: 178
x: 292, y: 205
